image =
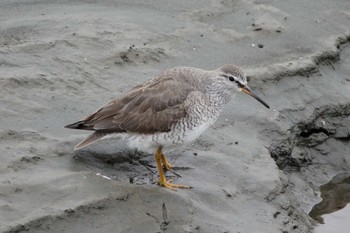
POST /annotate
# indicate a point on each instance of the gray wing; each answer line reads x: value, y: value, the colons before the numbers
x: 148, y: 108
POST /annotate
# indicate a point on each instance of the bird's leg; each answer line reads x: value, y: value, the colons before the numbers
x: 165, y: 162
x: 162, y: 179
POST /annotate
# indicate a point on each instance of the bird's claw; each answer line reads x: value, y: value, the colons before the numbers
x: 171, y: 186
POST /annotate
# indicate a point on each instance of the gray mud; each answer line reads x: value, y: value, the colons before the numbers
x: 255, y: 170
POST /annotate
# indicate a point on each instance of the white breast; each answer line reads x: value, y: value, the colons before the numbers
x: 180, y: 135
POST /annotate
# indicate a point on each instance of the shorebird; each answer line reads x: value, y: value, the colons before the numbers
x: 168, y: 111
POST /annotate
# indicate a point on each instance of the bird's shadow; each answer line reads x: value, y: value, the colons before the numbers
x: 120, y: 163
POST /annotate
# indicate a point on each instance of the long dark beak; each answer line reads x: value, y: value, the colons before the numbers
x: 250, y: 92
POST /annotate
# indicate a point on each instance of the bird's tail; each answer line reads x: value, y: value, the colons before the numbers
x: 89, y: 140
x: 79, y: 125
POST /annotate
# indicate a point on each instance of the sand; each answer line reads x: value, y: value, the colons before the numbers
x: 255, y: 170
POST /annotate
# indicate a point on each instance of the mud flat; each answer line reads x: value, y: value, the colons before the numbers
x: 255, y: 170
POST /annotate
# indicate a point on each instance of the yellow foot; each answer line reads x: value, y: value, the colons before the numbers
x: 160, y: 158
x: 171, y: 186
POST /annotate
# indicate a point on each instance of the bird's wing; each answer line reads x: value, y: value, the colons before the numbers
x: 148, y: 108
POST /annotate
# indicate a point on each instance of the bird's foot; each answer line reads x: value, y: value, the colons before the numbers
x: 171, y: 186
x: 161, y: 160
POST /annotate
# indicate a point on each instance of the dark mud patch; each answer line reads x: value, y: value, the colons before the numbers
x: 123, y: 165
x: 326, y: 122
x: 135, y: 55
x: 14, y: 35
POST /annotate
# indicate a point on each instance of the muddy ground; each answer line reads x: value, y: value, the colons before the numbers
x: 255, y: 170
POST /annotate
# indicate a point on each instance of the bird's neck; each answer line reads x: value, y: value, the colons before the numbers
x: 219, y: 95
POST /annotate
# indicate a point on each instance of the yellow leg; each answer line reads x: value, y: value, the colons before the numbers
x: 162, y: 180
x: 165, y: 162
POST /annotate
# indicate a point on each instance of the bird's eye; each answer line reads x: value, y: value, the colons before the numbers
x: 231, y: 78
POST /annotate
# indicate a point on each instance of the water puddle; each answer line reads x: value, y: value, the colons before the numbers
x: 332, y: 212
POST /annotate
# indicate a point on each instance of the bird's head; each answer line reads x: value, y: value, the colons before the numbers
x: 234, y: 78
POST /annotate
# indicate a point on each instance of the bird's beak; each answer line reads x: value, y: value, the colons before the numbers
x: 250, y: 92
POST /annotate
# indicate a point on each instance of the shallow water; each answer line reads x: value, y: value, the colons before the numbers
x: 336, y: 222
x: 332, y: 212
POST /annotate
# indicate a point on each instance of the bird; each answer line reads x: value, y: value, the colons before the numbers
x: 171, y: 110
